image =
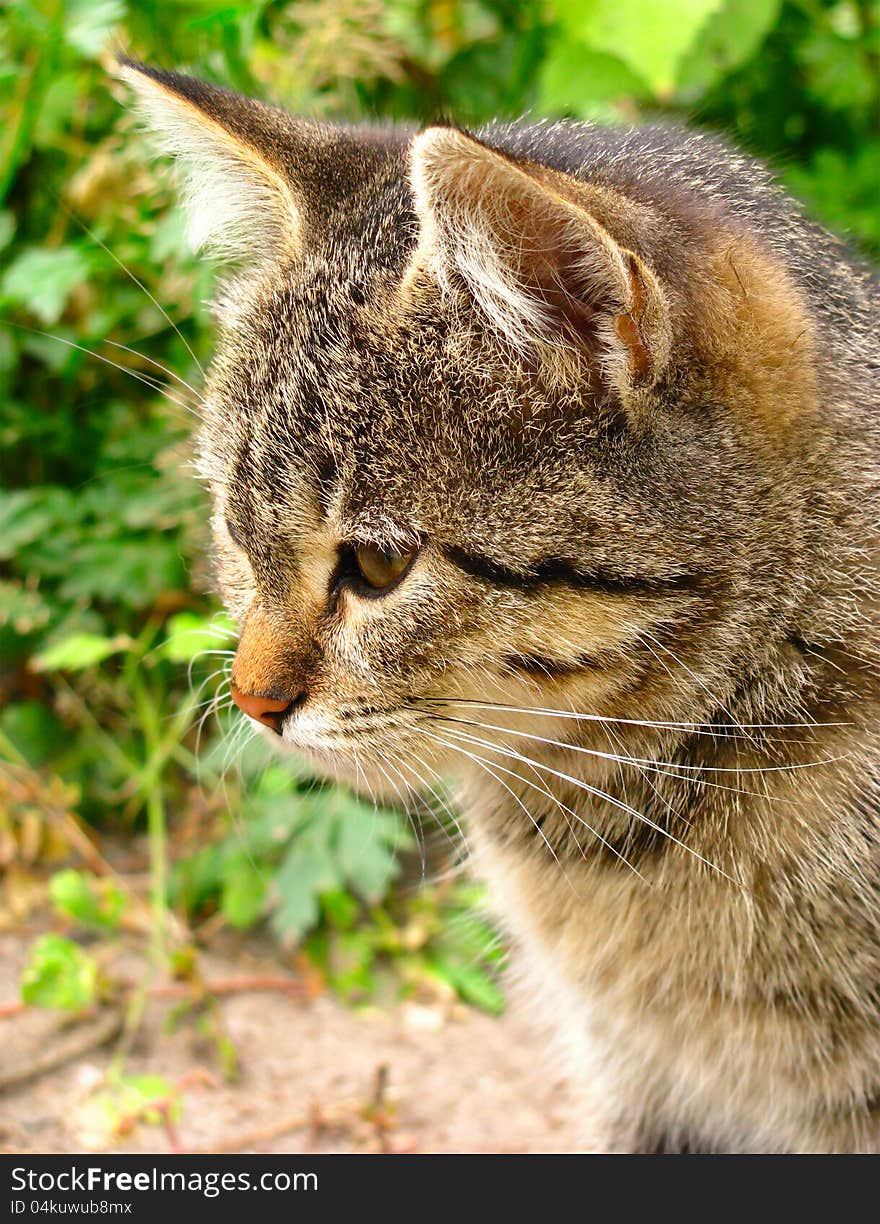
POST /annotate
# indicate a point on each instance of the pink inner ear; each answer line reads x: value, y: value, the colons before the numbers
x: 555, y: 280
x: 628, y: 333
x: 532, y: 253
x: 628, y: 326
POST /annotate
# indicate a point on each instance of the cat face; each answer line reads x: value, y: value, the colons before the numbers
x: 479, y: 430
x: 388, y: 536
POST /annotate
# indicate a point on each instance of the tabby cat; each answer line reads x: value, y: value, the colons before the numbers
x: 546, y: 457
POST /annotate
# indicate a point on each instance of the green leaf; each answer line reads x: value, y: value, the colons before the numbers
x: 124, y: 1100
x: 268, y: 824
x: 303, y: 876
x: 469, y: 938
x: 42, y: 280
x: 147, y: 1088
x: 843, y: 190
x: 89, y: 24
x: 729, y: 38
x: 7, y: 228
x: 132, y: 571
x: 29, y: 515
x: 473, y: 984
x: 244, y: 891
x: 365, y: 851
x: 651, y: 38
x: 34, y: 731
x: 87, y: 900
x: 841, y: 74
x: 576, y: 80
x: 340, y: 909
x: 25, y: 610
x: 352, y: 954
x: 198, y: 878
x: 168, y: 241
x: 57, y: 104
x: 140, y: 1096
x: 189, y: 635
x: 59, y: 975
x: 80, y: 651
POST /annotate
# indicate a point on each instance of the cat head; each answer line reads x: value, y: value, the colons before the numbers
x: 495, y: 418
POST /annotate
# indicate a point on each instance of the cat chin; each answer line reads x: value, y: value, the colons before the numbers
x: 339, y: 766
x: 332, y: 764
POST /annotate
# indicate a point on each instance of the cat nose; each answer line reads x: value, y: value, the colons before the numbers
x: 271, y: 711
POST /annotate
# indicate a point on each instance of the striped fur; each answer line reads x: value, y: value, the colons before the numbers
x: 622, y: 398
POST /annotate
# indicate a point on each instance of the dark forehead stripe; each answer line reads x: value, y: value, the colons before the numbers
x: 326, y: 474
x: 553, y: 571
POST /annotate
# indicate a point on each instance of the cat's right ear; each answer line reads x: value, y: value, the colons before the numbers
x: 534, y: 253
x: 235, y: 156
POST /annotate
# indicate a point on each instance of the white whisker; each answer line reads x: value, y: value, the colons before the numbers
x: 153, y: 384
x: 656, y: 766
x: 598, y: 794
x: 478, y: 760
x: 660, y: 725
x: 159, y: 366
x: 128, y: 272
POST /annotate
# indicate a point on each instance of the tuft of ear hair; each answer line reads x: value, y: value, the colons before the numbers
x: 234, y: 155
x: 542, y: 269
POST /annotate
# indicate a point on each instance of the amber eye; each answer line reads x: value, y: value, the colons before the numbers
x: 381, y: 567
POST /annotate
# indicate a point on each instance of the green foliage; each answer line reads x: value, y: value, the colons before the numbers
x: 90, y: 902
x: 466, y: 954
x: 79, y: 651
x: 649, y: 39
x: 797, y: 83
x: 119, y: 1103
x: 43, y: 280
x: 290, y: 848
x: 60, y: 975
x: 109, y: 634
x: 429, y: 938
x: 189, y: 635
x: 734, y: 32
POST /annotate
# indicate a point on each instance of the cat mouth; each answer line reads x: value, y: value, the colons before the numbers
x: 327, y: 734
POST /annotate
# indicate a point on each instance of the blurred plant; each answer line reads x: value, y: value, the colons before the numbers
x: 323, y: 55
x: 112, y: 647
x: 60, y: 975
x: 432, y: 941
x: 119, y: 1103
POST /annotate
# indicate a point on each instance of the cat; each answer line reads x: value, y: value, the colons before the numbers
x: 546, y: 457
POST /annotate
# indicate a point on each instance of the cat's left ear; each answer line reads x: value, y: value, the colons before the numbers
x: 544, y: 271
x: 243, y: 164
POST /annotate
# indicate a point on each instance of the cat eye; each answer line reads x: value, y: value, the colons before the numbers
x: 381, y: 567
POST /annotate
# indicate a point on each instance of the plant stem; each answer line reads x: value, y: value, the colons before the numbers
x: 157, y: 833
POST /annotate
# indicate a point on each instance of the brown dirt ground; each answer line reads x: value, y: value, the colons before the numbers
x: 456, y: 1080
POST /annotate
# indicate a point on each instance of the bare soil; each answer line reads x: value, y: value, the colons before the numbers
x: 315, y: 1075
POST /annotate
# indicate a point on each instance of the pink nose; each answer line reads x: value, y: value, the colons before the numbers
x: 265, y: 709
